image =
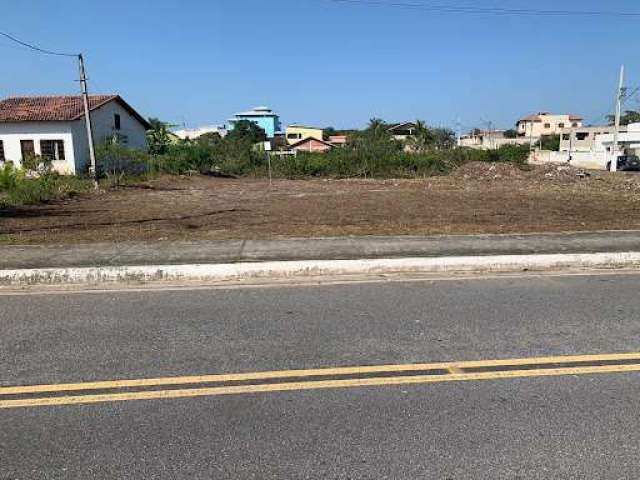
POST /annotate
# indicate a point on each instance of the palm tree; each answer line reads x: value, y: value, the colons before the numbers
x: 378, y: 129
x: 422, y: 139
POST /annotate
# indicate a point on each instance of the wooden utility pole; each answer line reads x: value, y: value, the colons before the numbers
x: 87, y: 121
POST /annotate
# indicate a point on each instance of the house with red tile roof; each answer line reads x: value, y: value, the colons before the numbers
x: 53, y: 127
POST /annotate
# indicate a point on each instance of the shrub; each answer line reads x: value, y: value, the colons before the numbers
x: 46, y: 187
x: 9, y: 177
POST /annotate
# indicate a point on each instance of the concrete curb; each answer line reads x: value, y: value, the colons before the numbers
x: 280, y: 270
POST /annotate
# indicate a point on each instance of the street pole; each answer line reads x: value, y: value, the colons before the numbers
x: 616, y: 131
x: 87, y: 121
x: 570, y: 144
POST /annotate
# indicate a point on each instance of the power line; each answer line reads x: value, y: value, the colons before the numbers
x: 36, y: 48
x: 490, y: 10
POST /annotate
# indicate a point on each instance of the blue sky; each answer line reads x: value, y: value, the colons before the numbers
x: 326, y: 63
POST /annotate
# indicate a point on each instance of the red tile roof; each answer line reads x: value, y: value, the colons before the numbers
x: 55, y: 108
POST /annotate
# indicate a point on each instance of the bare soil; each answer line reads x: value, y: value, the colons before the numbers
x: 477, y: 198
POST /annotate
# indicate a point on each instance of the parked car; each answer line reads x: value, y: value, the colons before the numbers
x: 627, y: 162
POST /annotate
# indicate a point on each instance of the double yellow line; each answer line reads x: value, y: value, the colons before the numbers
x: 325, y: 378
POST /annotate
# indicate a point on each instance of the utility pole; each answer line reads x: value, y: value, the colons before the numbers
x: 87, y: 121
x: 616, y: 131
x: 570, y: 144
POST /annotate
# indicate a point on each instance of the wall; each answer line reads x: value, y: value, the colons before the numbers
x: 102, y: 120
x: 586, y: 160
x: 491, y: 143
x: 12, y: 133
x: 302, y: 133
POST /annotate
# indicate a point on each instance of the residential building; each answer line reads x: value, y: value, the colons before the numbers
x: 338, y: 140
x: 628, y: 140
x: 402, y: 131
x: 193, y: 133
x: 264, y: 117
x: 295, y: 133
x: 53, y: 127
x: 491, y: 140
x: 600, y: 143
x: 311, y: 144
x: 583, y: 139
x: 545, y: 123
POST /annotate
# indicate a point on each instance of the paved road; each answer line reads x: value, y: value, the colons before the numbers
x: 577, y: 426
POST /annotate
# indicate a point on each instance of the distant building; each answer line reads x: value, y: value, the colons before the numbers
x: 338, y: 140
x: 54, y: 128
x: 491, y: 140
x: 311, y: 144
x: 583, y: 139
x: 545, y: 123
x: 402, y: 131
x: 591, y: 147
x: 295, y: 133
x: 193, y: 133
x: 264, y: 117
x: 628, y: 140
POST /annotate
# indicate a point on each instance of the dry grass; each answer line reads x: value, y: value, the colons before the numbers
x: 478, y: 198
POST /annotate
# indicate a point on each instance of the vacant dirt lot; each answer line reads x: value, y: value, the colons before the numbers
x: 478, y: 198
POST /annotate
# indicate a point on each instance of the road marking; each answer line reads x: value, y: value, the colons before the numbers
x: 309, y: 385
x: 456, y: 368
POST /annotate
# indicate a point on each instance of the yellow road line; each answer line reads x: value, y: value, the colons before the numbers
x: 311, y: 385
x: 194, y: 380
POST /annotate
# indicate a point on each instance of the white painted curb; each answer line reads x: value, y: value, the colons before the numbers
x: 316, y: 268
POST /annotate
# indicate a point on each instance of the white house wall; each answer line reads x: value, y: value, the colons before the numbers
x: 12, y: 133
x: 103, y: 122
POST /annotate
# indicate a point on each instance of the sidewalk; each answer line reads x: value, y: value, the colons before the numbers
x: 14, y: 257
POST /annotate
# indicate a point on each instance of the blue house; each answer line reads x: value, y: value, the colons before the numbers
x: 264, y: 117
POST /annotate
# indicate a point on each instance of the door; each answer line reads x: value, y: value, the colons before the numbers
x: 28, y: 149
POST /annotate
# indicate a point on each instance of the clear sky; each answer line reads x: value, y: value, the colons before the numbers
x: 326, y: 63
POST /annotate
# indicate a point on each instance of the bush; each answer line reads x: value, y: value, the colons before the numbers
x: 9, y: 177
x: 46, y: 187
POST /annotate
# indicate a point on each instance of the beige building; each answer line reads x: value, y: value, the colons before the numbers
x: 583, y: 139
x: 545, y: 123
x: 295, y: 133
x: 490, y: 140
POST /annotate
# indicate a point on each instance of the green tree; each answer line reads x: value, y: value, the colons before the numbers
x: 511, y: 133
x: 550, y: 142
x: 158, y: 136
x: 247, y: 130
x: 329, y: 132
x: 443, y: 138
x: 209, y: 138
x: 629, y: 116
x: 423, y: 139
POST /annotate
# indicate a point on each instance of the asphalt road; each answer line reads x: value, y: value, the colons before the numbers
x: 576, y: 426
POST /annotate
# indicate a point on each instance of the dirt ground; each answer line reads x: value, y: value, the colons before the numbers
x: 477, y: 198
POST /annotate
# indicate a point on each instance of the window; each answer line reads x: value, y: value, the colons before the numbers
x: 582, y: 135
x: 566, y: 136
x: 52, y: 149
x: 27, y: 149
x: 294, y: 136
x: 547, y: 126
x: 116, y: 121
x: 561, y: 125
x: 574, y: 125
x: 2, y: 159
